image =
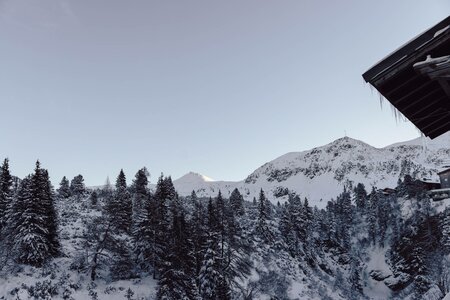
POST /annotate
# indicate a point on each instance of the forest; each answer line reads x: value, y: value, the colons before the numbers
x: 223, y: 247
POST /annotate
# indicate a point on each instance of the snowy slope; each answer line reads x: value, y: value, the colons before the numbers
x: 321, y: 173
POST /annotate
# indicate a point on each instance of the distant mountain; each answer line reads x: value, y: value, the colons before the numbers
x: 322, y: 173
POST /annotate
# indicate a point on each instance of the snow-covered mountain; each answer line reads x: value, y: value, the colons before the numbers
x: 321, y: 173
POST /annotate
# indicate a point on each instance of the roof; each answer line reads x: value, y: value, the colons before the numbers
x: 444, y: 171
x: 415, y: 79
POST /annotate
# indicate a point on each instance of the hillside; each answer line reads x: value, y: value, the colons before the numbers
x: 322, y: 172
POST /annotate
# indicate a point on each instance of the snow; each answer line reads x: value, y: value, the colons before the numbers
x: 377, y: 289
x: 447, y: 297
x: 322, y: 173
x: 436, y: 60
x: 442, y: 31
x: 74, y: 216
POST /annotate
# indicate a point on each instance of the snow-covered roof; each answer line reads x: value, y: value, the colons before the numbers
x: 415, y: 79
x: 444, y: 171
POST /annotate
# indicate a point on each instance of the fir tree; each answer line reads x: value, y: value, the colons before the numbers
x: 178, y: 268
x: 48, y: 205
x: 143, y: 233
x: 360, y: 196
x: 262, y: 226
x: 64, y: 188
x: 33, y: 220
x: 372, y: 217
x: 164, y: 194
x: 445, y: 227
x: 120, y: 207
x: 140, y: 191
x: 237, y: 202
x: 77, y: 187
x: 94, y: 199
x: 6, y: 191
x: 199, y: 233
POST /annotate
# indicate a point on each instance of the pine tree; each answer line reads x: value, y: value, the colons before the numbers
x: 237, y: 202
x: 372, y: 217
x: 51, y: 214
x: 143, y: 233
x: 445, y: 227
x: 120, y: 207
x: 77, y: 187
x: 199, y: 233
x: 64, y: 188
x: 6, y: 192
x: 94, y: 199
x: 28, y: 235
x: 360, y: 196
x: 345, y: 218
x: 178, y: 268
x: 33, y: 220
x: 209, y: 273
x: 164, y: 194
x: 355, y: 279
x: 262, y: 226
x: 140, y: 191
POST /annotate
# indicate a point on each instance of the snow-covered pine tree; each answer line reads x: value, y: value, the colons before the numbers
x: 64, y: 188
x: 262, y: 227
x: 140, y: 191
x: 221, y: 223
x: 77, y: 187
x: 372, y: 216
x: 360, y: 196
x: 198, y: 233
x: 5, y: 195
x: 143, y: 234
x: 235, y: 262
x: 177, y: 275
x: 33, y: 219
x: 287, y: 230
x: 210, y: 276
x: 93, y: 198
x: 164, y: 194
x: 345, y: 218
x: 120, y: 208
x: 445, y: 227
x: 49, y: 209
x: 237, y: 202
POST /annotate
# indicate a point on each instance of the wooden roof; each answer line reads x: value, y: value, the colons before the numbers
x: 415, y: 79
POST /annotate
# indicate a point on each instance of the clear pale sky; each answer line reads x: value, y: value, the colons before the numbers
x: 216, y: 87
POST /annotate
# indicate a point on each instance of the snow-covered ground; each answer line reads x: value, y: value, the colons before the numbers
x: 73, y: 216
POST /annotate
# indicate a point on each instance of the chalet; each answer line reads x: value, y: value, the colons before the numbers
x: 415, y: 79
x: 429, y: 185
x: 388, y: 191
x: 444, y: 177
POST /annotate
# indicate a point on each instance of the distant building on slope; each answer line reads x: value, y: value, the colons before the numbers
x: 415, y: 79
x: 444, y: 177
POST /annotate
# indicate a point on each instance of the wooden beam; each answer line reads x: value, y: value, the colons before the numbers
x: 406, y: 50
x: 445, y: 86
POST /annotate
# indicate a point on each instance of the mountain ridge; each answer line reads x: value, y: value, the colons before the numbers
x: 322, y: 172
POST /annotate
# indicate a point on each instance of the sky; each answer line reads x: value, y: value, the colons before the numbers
x: 216, y: 87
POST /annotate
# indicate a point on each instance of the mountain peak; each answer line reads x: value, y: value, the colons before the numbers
x: 194, y: 177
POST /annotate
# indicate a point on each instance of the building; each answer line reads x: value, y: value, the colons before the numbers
x: 415, y: 79
x: 444, y: 177
x: 429, y: 185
